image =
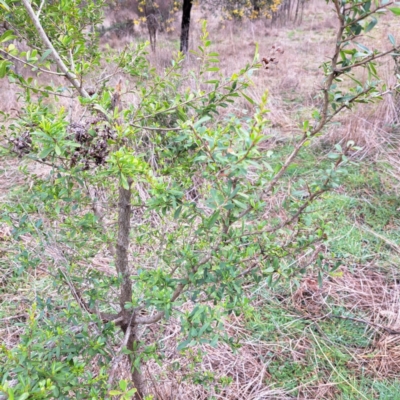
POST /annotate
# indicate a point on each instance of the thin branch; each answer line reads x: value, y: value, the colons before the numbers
x: 159, y: 315
x: 366, y: 15
x: 183, y: 103
x: 148, y: 128
x: 366, y: 60
x: 40, y: 8
x: 56, y: 57
x: 45, y: 91
x: 31, y: 65
x: 119, y: 356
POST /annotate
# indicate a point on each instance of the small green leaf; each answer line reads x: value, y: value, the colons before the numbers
x: 3, y: 68
x: 177, y: 212
x: 201, y: 121
x: 99, y: 108
x: 45, y: 152
x: 124, y: 181
x: 371, y: 25
x: 184, y: 344
x: 240, y: 204
x: 45, y: 55
x: 123, y: 385
x: 395, y: 10
x: 320, y: 280
x: 6, y: 36
x: 249, y: 99
x: 364, y: 48
x: 4, y: 5
x: 392, y: 39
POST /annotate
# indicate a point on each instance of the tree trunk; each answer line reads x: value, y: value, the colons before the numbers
x: 186, y: 9
x: 302, y: 11
x: 122, y: 264
x: 256, y: 7
x: 297, y: 11
x: 137, y: 377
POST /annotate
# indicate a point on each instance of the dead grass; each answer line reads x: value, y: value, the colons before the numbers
x: 367, y: 291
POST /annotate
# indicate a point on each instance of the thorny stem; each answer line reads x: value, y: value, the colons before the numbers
x: 121, y: 260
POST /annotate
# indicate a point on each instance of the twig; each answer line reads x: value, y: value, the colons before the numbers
x: 56, y: 57
x: 14, y: 317
x: 31, y: 65
x: 119, y: 356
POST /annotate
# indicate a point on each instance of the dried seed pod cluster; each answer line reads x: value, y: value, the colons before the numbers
x: 22, y: 144
x: 273, y: 59
x: 92, y: 137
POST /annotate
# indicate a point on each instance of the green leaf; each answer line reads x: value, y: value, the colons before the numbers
x: 201, y: 121
x: 240, y: 204
x: 3, y: 68
x: 45, y: 152
x: 364, y: 48
x: 395, y: 10
x: 45, y: 55
x: 114, y: 393
x: 124, y: 181
x: 392, y: 39
x: 123, y: 385
x: 4, y: 5
x: 177, y: 212
x: 371, y: 25
x: 184, y: 344
x: 249, y: 99
x: 23, y: 396
x: 320, y: 280
x: 98, y: 107
x: 6, y: 36
x: 213, y: 219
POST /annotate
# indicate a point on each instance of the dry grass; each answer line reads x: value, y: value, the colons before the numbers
x: 370, y: 292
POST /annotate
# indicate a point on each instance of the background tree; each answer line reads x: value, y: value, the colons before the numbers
x: 149, y: 168
x: 185, y: 25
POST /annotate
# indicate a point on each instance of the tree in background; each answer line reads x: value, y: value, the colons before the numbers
x: 230, y: 9
x: 146, y: 170
x: 185, y: 25
x: 288, y: 10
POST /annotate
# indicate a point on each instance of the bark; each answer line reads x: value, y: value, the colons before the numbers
x: 122, y: 264
x: 297, y: 11
x: 256, y: 6
x: 301, y: 11
x: 54, y: 54
x: 137, y: 377
x: 186, y: 10
x: 121, y: 261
